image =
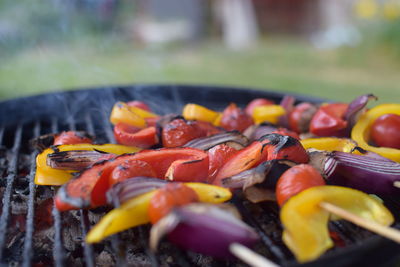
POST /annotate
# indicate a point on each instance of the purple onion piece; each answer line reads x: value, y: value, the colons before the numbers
x: 121, y: 192
x: 205, y: 143
x: 368, y: 174
x: 356, y: 107
x: 287, y: 103
x: 204, y: 228
x: 77, y: 160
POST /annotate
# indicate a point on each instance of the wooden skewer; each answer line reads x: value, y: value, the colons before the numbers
x: 397, y: 184
x: 250, y: 257
x: 388, y: 232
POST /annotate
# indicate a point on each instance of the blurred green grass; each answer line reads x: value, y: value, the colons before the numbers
x: 283, y: 64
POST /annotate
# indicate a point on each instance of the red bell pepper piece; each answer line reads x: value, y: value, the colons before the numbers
x: 218, y: 155
x: 71, y: 138
x: 234, y: 118
x: 131, y: 168
x: 132, y: 136
x: 139, y: 104
x: 268, y: 147
x: 90, y: 187
x: 328, y: 121
x: 284, y: 131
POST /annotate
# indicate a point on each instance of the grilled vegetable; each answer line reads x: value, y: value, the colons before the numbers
x: 45, y: 175
x: 207, y: 229
x: 131, y: 115
x: 90, y: 187
x: 329, y: 120
x: 234, y: 118
x: 306, y: 223
x: 329, y: 144
x: 362, y: 128
x: 135, y: 211
x: 132, y: 136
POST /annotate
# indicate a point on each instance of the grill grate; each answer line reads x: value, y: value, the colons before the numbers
x: 119, y: 249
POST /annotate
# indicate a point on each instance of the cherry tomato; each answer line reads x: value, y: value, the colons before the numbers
x: 295, y: 180
x: 179, y: 131
x: 234, y: 118
x: 71, y: 138
x: 207, y: 128
x: 296, y: 116
x: 217, y: 156
x: 256, y: 103
x: 129, y: 169
x: 328, y: 121
x: 385, y: 131
x: 139, y: 104
x: 165, y: 199
x: 132, y: 136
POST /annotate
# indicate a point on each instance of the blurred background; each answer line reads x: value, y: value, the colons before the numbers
x: 335, y: 49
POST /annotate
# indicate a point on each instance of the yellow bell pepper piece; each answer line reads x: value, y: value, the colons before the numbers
x: 45, y: 175
x: 134, y: 116
x: 198, y: 112
x: 270, y: 113
x: 306, y: 223
x: 361, y: 131
x: 329, y: 144
x: 135, y: 211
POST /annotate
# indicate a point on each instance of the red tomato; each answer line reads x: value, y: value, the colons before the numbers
x: 178, y: 132
x: 296, y: 115
x: 129, y: 169
x: 328, y: 121
x: 256, y: 103
x: 165, y: 199
x: 138, y: 104
x: 71, y: 138
x: 234, y: 118
x: 295, y: 180
x: 207, y: 128
x: 385, y: 131
x: 218, y: 155
x: 132, y: 136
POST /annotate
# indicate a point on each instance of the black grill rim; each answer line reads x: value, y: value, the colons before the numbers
x: 34, y: 108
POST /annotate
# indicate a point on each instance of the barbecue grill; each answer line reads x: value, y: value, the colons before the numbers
x: 34, y: 233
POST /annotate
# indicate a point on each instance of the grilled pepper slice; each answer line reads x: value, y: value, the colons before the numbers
x: 45, y: 175
x: 269, y: 113
x: 329, y: 144
x: 329, y: 120
x: 198, y: 112
x: 361, y: 130
x: 89, y: 189
x: 135, y: 212
x: 131, y: 115
x: 306, y: 223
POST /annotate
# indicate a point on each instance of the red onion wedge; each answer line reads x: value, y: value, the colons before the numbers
x: 371, y: 175
x: 204, y: 143
x: 204, y: 228
x: 356, y: 108
x: 76, y: 160
x: 130, y: 188
x: 259, y: 183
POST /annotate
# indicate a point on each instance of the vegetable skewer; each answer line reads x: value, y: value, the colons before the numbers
x: 386, y: 231
x: 250, y: 257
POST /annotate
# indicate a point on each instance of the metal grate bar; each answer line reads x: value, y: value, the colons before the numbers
x: 58, y: 250
x: 27, y: 254
x: 84, y: 217
x: 268, y: 242
x: 115, y: 240
x: 12, y: 173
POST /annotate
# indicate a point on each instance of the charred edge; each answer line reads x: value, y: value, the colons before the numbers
x: 273, y: 171
x: 73, y: 201
x: 100, y: 151
x: 280, y: 141
x: 42, y: 142
x: 192, y: 161
x: 84, y: 135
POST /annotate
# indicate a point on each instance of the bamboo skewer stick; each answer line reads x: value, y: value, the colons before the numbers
x: 250, y: 257
x: 388, y: 232
x: 396, y: 184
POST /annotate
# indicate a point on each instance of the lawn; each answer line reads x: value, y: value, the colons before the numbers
x: 290, y: 65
